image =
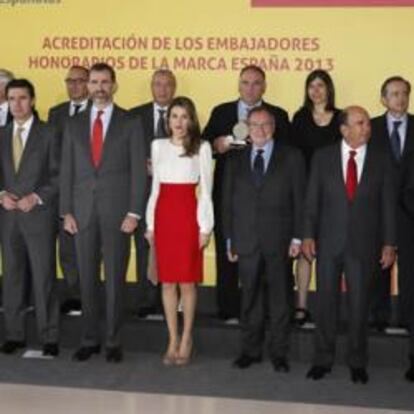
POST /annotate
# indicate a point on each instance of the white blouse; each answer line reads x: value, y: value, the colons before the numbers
x: 169, y: 167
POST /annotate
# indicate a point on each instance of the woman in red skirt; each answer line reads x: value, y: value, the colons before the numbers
x: 179, y: 224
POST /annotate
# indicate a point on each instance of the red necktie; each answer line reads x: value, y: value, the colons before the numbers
x: 351, y: 176
x: 97, y: 139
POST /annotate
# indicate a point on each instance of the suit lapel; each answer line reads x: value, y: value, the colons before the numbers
x: 31, y: 143
x: 366, y: 168
x: 111, y: 134
x: 337, y: 170
x: 83, y: 133
x: 409, y: 137
x: 8, y: 149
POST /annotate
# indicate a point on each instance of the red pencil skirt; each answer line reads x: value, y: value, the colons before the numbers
x: 176, y: 232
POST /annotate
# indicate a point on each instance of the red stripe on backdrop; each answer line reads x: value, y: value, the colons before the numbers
x: 332, y: 3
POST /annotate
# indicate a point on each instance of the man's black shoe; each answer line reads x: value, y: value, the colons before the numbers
x: 114, y: 354
x: 85, y: 352
x: 359, y: 375
x: 317, y: 372
x: 280, y: 365
x: 146, y: 311
x: 51, y: 349
x: 70, y: 305
x: 10, y: 347
x: 244, y: 361
x: 409, y: 375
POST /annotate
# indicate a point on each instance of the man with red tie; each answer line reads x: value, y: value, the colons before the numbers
x: 102, y: 184
x: 349, y: 226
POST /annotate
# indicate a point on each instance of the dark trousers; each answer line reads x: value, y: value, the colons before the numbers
x: 381, y: 297
x: 68, y: 263
x: 358, y: 275
x: 18, y: 247
x: 96, y: 242
x: 149, y: 296
x: 227, y: 279
x: 264, y: 278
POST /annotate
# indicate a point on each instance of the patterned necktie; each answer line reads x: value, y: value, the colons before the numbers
x: 97, y: 139
x: 351, y: 176
x: 258, y: 166
x: 396, y: 140
x: 17, y: 148
x: 161, y: 132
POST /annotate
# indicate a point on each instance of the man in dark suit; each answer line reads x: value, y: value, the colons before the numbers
x: 29, y: 184
x: 102, y: 184
x: 349, y: 225
x: 5, y: 115
x: 153, y: 116
x: 76, y: 87
x: 262, y: 212
x: 252, y: 86
x: 393, y: 134
x: 407, y: 205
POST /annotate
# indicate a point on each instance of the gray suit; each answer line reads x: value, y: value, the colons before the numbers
x: 261, y: 220
x: 58, y: 116
x: 30, y: 235
x: 99, y: 199
x: 349, y: 237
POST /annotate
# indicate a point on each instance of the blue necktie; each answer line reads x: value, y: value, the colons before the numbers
x: 258, y: 167
x: 396, y: 140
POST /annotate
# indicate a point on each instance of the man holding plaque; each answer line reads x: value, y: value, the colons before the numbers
x: 263, y: 186
x: 219, y: 131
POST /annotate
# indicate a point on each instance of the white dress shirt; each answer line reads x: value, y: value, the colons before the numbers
x: 105, y: 117
x: 170, y: 167
x: 82, y: 106
x: 27, y: 125
x: 359, y: 158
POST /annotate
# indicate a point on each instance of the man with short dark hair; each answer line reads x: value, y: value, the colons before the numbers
x: 153, y: 116
x: 76, y: 86
x: 349, y: 225
x: 102, y: 185
x: 29, y: 175
x: 263, y: 187
x: 393, y: 134
x: 252, y: 86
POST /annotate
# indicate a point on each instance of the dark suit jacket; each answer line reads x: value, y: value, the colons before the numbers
x: 38, y: 173
x: 221, y: 122
x: 58, y: 116
x: 264, y: 217
x: 361, y: 227
x: 117, y: 186
x: 146, y: 113
x: 381, y: 140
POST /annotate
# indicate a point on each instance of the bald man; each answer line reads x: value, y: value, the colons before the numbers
x: 349, y: 226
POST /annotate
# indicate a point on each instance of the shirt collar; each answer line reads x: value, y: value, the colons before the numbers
x: 158, y: 107
x: 359, y: 151
x: 107, y: 111
x: 245, y: 105
x: 81, y: 103
x: 26, y: 125
x: 267, y: 148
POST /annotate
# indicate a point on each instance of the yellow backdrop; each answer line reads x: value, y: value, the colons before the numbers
x: 206, y: 43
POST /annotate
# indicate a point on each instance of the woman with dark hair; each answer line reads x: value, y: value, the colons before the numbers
x: 314, y: 125
x: 179, y: 224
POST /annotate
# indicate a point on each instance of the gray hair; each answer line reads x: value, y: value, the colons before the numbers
x: 6, y: 76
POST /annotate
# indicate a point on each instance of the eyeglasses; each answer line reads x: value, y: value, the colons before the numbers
x: 263, y: 125
x: 72, y: 81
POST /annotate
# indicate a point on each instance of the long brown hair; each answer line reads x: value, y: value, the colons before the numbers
x: 192, y: 141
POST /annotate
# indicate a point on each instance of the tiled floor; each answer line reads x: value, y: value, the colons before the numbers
x: 23, y: 399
